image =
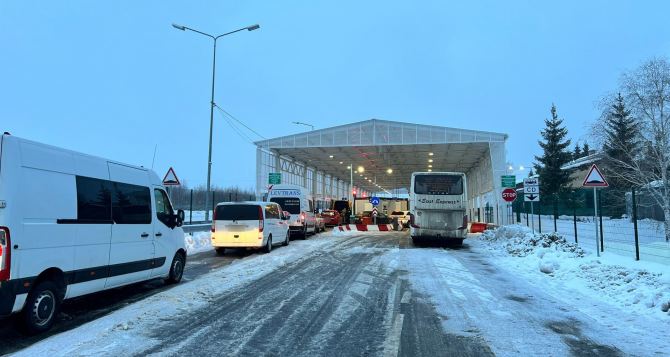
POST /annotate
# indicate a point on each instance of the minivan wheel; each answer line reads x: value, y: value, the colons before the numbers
x: 268, y: 245
x: 176, y: 269
x: 42, y: 306
x: 220, y: 251
x: 287, y: 240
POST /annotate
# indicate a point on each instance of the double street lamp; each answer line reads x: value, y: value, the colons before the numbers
x: 212, y: 105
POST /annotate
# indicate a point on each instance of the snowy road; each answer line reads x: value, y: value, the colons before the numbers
x: 371, y: 294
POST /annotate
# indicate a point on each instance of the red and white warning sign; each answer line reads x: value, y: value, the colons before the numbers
x: 170, y: 178
x: 595, y: 178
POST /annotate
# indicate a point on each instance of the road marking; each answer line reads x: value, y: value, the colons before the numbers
x: 392, y: 345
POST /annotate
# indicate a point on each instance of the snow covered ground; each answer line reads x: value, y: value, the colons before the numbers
x: 197, y: 242
x: 642, y: 286
x: 120, y: 332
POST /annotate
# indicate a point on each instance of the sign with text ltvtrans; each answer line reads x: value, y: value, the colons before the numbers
x: 274, y: 178
x: 508, y: 181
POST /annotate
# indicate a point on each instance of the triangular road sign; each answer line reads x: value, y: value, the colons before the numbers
x: 595, y: 178
x: 170, y: 178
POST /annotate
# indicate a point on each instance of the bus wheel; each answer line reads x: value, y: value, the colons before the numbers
x: 416, y: 241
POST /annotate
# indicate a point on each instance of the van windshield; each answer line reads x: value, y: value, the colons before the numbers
x: 290, y: 204
x: 237, y: 213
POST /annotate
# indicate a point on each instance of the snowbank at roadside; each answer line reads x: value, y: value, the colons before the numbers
x: 198, y: 242
x: 640, y: 286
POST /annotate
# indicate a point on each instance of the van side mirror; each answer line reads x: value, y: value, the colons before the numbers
x: 286, y: 215
x: 179, y: 219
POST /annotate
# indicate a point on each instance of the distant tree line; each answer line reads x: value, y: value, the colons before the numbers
x: 181, y: 196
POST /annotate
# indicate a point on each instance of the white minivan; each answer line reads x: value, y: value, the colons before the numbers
x: 249, y: 225
x: 299, y: 205
x: 73, y: 224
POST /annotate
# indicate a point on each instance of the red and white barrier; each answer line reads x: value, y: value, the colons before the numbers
x: 365, y: 227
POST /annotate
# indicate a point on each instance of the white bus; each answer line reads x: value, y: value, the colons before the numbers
x: 438, y: 206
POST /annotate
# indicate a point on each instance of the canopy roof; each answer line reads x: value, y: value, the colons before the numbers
x: 379, y: 145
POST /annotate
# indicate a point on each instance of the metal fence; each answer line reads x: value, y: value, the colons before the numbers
x: 193, y: 201
x: 618, y: 226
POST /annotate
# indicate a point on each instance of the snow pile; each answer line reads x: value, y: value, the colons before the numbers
x: 627, y: 286
x: 641, y: 286
x: 336, y: 232
x: 198, y: 242
x: 519, y: 241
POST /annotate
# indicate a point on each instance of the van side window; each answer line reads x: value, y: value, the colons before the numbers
x: 163, y: 206
x: 94, y: 200
x: 271, y: 211
x: 131, y: 204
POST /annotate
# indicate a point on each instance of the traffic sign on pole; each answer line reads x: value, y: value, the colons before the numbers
x: 274, y: 178
x: 509, y: 194
x: 374, y: 201
x: 508, y: 181
x: 531, y: 197
x: 594, y: 178
x: 170, y: 178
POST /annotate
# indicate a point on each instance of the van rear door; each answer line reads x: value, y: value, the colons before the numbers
x: 238, y: 225
x: 131, y: 255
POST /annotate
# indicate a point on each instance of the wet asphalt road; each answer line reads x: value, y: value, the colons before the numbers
x: 356, y: 298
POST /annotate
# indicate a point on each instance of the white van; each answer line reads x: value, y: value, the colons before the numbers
x: 249, y: 225
x: 73, y: 224
x: 299, y: 204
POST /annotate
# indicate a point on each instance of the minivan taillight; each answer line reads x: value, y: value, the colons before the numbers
x: 411, y: 221
x: 260, y: 219
x: 214, y: 220
x: 5, y: 254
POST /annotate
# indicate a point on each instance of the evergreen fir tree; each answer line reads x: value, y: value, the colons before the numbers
x: 621, y: 145
x: 531, y: 173
x: 577, y: 153
x: 586, y: 150
x: 553, y: 180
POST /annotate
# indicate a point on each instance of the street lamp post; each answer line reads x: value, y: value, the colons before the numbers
x: 305, y: 124
x: 212, y: 105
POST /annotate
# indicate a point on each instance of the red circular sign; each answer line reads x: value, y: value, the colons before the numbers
x: 509, y: 194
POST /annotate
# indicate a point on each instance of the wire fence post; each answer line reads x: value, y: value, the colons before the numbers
x: 574, y: 221
x: 190, y: 210
x: 637, y: 242
x: 539, y: 217
x: 600, y: 211
x: 555, y: 214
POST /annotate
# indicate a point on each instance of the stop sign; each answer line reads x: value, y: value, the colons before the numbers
x: 509, y: 194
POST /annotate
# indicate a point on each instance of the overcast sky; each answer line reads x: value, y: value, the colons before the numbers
x: 114, y: 79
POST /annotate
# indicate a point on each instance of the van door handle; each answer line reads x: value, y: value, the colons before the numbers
x: 144, y: 235
x: 159, y: 234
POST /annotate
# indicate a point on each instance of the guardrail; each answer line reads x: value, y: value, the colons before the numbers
x: 199, y: 226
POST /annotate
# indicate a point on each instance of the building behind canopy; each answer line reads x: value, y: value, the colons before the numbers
x: 322, y: 161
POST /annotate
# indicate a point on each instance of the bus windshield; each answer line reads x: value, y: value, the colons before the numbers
x: 438, y: 184
x: 290, y: 204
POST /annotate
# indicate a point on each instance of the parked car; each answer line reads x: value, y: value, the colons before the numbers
x: 320, y: 223
x: 73, y: 224
x: 331, y: 218
x: 259, y: 225
x: 402, y: 216
x: 295, y: 200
